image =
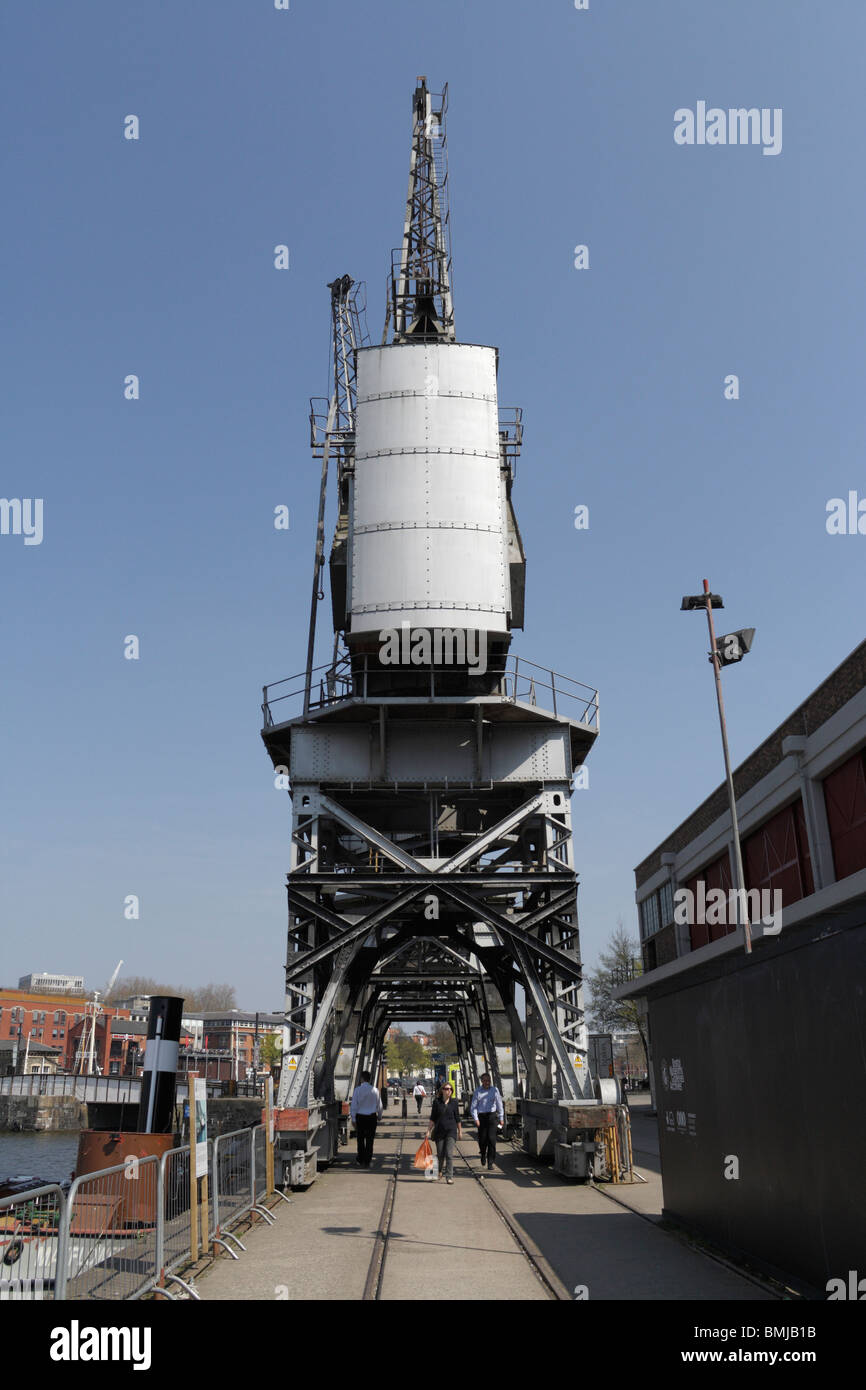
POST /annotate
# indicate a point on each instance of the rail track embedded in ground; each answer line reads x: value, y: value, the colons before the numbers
x: 552, y: 1284
x: 373, y: 1283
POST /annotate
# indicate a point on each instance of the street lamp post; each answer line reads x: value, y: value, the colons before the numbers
x: 740, y: 642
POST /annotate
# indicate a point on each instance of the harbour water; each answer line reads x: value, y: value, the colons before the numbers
x: 48, y: 1156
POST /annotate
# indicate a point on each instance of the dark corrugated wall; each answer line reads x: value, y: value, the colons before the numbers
x: 763, y: 1060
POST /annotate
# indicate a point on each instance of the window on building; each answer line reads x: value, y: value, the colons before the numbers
x: 649, y: 916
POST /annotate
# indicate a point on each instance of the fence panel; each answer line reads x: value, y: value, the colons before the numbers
x: 109, y: 1232
x: 211, y: 1208
x: 232, y: 1178
x: 176, y: 1233
x: 30, y: 1225
x: 260, y: 1164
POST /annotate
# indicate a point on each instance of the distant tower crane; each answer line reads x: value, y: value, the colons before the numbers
x: 86, y: 1056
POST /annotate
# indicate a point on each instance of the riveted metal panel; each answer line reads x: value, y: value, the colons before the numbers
x: 528, y: 754
x: 432, y: 754
x: 431, y: 751
x: 428, y: 542
x: 339, y: 753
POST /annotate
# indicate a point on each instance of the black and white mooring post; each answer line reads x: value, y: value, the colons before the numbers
x: 156, y: 1106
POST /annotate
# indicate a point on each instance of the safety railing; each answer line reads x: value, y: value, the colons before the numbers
x: 260, y: 1164
x: 232, y: 1178
x: 174, y: 1233
x: 122, y: 1090
x: 117, y: 1089
x: 516, y: 680
x: 125, y: 1231
x: 30, y: 1224
x: 108, y: 1237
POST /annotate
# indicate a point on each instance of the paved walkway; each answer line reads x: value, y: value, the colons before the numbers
x: 449, y: 1242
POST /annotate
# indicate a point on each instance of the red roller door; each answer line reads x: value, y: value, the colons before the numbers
x: 845, y: 799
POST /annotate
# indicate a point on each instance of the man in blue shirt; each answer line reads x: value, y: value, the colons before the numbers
x: 488, y: 1112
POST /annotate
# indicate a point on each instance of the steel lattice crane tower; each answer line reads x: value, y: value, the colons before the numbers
x: 432, y: 873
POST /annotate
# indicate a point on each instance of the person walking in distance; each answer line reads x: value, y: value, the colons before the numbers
x: 366, y: 1112
x: 419, y: 1093
x: 488, y: 1112
x: 446, y: 1129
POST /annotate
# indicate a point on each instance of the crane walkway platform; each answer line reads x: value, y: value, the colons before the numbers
x: 519, y: 1233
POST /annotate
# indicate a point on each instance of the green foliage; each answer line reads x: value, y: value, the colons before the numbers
x: 404, y: 1054
x: 270, y: 1049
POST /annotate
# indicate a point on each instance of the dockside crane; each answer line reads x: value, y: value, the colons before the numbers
x: 431, y: 869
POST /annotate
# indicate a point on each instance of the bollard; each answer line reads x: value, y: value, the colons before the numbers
x: 405, y: 1112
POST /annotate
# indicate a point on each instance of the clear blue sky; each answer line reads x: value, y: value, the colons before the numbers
x: 155, y: 257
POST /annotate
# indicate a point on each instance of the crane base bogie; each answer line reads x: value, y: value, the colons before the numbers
x: 307, y: 1140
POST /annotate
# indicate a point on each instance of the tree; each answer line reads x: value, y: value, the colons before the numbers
x: 205, y: 999
x: 404, y: 1054
x: 443, y: 1040
x: 211, y: 997
x: 270, y: 1049
x: 394, y: 1055
x: 617, y: 965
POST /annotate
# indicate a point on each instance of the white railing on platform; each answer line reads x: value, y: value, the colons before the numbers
x: 114, y: 1089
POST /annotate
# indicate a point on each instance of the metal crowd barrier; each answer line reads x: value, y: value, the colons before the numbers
x: 260, y: 1164
x: 232, y: 1178
x: 120, y: 1232
x: 108, y: 1238
x: 174, y: 1241
x: 30, y: 1225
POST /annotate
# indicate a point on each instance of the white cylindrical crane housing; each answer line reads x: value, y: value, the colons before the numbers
x: 428, y: 542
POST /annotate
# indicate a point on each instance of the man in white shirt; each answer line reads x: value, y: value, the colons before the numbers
x: 365, y: 1112
x: 419, y: 1093
x: 488, y: 1113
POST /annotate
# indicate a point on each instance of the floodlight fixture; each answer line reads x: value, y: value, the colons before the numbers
x: 693, y: 601
x: 736, y: 645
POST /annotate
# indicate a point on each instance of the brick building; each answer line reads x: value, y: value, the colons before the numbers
x: 54, y: 1020
x: 231, y: 1034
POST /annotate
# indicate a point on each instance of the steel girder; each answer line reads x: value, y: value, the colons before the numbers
x: 501, y: 906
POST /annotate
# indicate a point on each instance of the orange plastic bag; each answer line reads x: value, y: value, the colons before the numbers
x: 424, y: 1156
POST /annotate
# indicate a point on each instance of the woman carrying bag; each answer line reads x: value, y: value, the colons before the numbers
x: 446, y: 1129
